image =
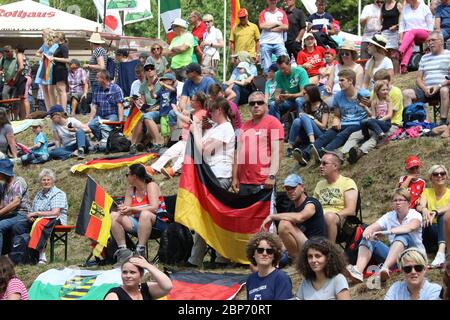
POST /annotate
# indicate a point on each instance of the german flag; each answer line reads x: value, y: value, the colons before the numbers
x: 195, y: 285
x: 94, y: 220
x: 113, y: 162
x: 225, y: 220
x: 133, y: 118
x: 40, y: 232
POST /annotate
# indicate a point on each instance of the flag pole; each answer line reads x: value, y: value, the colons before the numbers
x: 359, y: 18
x: 159, y: 19
x: 104, y: 15
x: 224, y: 40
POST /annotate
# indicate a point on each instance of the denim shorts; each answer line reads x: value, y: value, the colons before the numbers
x: 152, y: 115
x: 159, y: 224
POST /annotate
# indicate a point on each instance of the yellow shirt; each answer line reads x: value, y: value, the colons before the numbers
x: 433, y: 203
x: 331, y: 196
x: 245, y: 38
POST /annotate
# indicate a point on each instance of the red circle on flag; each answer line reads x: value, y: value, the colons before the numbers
x: 111, y: 22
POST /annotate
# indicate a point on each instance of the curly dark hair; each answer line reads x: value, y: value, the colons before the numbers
x: 272, y: 239
x: 6, y: 273
x: 335, y: 260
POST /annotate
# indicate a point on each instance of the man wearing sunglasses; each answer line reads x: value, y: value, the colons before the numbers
x: 302, y: 221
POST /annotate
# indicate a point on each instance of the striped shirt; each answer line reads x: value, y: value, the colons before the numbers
x: 434, y: 67
x: 15, y: 285
x: 106, y: 100
x: 95, y: 54
x: 54, y: 198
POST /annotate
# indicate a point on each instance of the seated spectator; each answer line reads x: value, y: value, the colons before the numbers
x: 325, y: 71
x: 7, y: 140
x: 136, y: 85
x: 322, y: 267
x: 311, y: 123
x: 158, y: 60
x: 402, y: 225
x: 14, y: 205
x: 11, y: 287
x: 132, y: 288
x: 413, y: 181
x: 39, y: 151
x: 381, y: 111
x: 271, y: 84
x: 413, y: 263
x: 69, y: 135
x: 268, y: 282
x: 142, y: 210
x: 337, y: 194
x: 215, y: 91
x: 78, y: 83
x: 311, y: 58
x: 244, y: 74
x: 302, y: 221
x: 239, y: 94
x: 177, y: 151
x: 49, y: 203
x: 107, y: 104
x: 355, y: 146
x: 321, y: 19
x: 290, y: 83
x: 442, y: 19
x: 378, y: 61
x: 434, y: 203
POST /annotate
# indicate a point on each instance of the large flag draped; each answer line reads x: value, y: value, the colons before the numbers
x: 113, y: 162
x: 74, y: 284
x: 170, y: 9
x: 40, y: 232
x: 94, y: 219
x: 195, y: 285
x: 133, y: 118
x: 225, y: 220
x: 235, y: 6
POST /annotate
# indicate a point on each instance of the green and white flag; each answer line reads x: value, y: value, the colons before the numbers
x: 74, y: 284
x: 122, y: 4
x: 142, y: 12
x: 170, y: 10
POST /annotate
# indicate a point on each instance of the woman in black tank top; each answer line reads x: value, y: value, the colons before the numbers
x: 389, y: 29
x: 133, y: 289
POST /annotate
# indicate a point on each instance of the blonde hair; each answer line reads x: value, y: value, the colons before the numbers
x: 48, y: 36
x: 413, y: 255
x: 208, y: 17
x: 403, y: 192
x: 434, y: 168
x: 375, y: 100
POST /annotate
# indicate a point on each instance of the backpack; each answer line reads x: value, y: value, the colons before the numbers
x: 117, y: 142
x: 352, y: 246
x: 415, y: 112
x: 175, y: 244
x: 20, y: 253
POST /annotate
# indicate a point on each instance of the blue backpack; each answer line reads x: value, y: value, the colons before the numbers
x: 414, y: 113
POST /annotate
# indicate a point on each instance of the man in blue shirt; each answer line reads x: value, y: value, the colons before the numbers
x: 321, y: 18
x: 196, y: 82
x: 107, y: 105
x: 348, y: 114
x: 442, y: 19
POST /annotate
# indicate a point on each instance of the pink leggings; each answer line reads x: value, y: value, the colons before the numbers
x: 409, y: 39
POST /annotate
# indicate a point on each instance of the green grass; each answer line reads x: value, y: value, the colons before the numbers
x: 376, y: 174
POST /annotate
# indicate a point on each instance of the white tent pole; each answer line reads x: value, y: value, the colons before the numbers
x: 159, y: 19
x: 224, y: 39
x: 359, y: 17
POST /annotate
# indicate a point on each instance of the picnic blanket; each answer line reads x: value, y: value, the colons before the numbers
x: 22, y: 125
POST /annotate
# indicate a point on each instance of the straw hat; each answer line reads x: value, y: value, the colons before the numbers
x: 379, y: 41
x: 348, y: 45
x: 96, y: 38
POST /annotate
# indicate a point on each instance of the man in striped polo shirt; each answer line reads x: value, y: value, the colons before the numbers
x: 431, y: 78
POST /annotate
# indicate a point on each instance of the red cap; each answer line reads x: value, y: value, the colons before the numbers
x: 412, y: 161
x: 242, y: 13
x: 331, y: 51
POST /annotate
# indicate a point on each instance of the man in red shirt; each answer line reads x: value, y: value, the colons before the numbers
x: 199, y: 27
x: 311, y: 58
x: 259, y: 149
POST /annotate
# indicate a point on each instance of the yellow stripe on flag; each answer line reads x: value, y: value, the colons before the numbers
x: 107, y: 166
x: 133, y: 118
x: 105, y: 230
x: 190, y: 213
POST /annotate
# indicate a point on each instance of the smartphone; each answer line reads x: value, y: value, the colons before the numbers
x: 70, y: 125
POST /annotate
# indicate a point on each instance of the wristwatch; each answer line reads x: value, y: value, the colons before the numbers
x: 272, y: 177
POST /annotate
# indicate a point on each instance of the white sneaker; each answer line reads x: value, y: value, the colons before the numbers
x: 354, y: 274
x: 438, y: 260
x: 42, y: 261
x: 385, y: 274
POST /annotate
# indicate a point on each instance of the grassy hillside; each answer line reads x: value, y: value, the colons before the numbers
x: 375, y: 174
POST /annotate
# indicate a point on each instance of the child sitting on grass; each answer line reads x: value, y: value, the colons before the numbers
x: 39, y: 151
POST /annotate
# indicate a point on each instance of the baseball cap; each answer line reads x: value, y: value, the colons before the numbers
x: 168, y: 76
x: 293, y: 180
x: 363, y: 93
x: 331, y: 51
x: 55, y: 108
x: 412, y: 161
x: 242, y: 13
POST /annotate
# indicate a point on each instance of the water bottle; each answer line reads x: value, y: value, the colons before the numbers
x: 293, y: 62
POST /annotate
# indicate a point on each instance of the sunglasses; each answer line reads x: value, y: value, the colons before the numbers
x: 417, y: 267
x: 437, y: 174
x: 269, y: 251
x: 154, y: 49
x: 151, y: 68
x: 207, y: 21
x: 255, y: 103
x: 345, y: 54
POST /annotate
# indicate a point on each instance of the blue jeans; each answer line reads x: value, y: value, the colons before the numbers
x: 8, y: 222
x: 267, y: 50
x: 377, y: 126
x: 101, y: 131
x: 65, y: 152
x: 332, y: 139
x: 303, y: 127
x: 34, y: 158
x: 434, y: 235
x: 380, y: 251
x: 278, y: 109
